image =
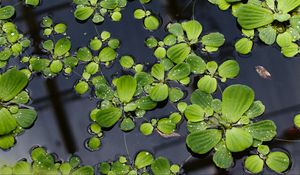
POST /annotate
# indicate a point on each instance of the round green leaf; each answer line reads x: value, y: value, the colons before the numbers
x: 268, y: 35
x: 146, y: 128
x: 62, y: 46
x: 6, y: 12
x: 127, y: 124
x: 179, y: 52
x: 143, y: 159
x: 159, y: 92
x: 278, y: 161
x: 7, y: 122
x: 238, y: 139
x: 166, y: 126
x: 126, y: 87
x: 151, y: 23
x: 254, y: 164
x: 207, y: 84
x: 236, y: 100
x: 243, y: 46
x: 229, y: 69
x: 179, y: 72
x: 25, y: 117
x: 194, y: 113
x: 297, y: 120
x: 83, y: 13
x: 203, y: 141
x: 161, y: 166
x: 107, y: 54
x: 256, y: 109
x: 193, y: 29
x: 106, y: 118
x: 263, y: 130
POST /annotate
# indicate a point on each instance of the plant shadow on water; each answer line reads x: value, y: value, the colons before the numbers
x: 64, y: 116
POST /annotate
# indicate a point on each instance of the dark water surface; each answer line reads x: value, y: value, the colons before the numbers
x: 63, y: 116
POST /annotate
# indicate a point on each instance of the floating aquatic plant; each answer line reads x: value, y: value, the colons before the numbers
x: 15, y: 116
x: 226, y: 125
x: 277, y: 161
x: 144, y: 163
x: 47, y: 163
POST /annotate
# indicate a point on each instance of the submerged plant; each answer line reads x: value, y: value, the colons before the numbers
x: 226, y: 126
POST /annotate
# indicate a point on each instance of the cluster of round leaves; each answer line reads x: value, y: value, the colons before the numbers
x: 144, y: 163
x: 151, y: 22
x: 12, y: 42
x: 274, y: 20
x: 277, y: 161
x: 226, y: 125
x: 47, y: 164
x: 97, y: 9
x: 15, y: 116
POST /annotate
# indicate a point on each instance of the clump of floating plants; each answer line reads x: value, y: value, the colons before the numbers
x: 43, y: 162
x: 275, y: 21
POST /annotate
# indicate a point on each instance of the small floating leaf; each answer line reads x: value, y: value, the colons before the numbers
x: 207, y: 84
x: 166, y: 126
x: 237, y: 139
x: 83, y: 13
x: 106, y: 118
x: 193, y: 29
x: 236, y: 100
x: 213, y: 40
x: 126, y: 87
x: 6, y: 12
x: 146, y: 129
x: 263, y: 130
x: 159, y: 92
x: 203, y: 141
x: 107, y: 54
x: 179, y: 52
x: 62, y: 47
x: 297, y: 120
x: 194, y: 113
x: 222, y: 157
x: 7, y: 122
x: 243, y: 46
x: 252, y: 16
x: 161, y: 166
x: 127, y: 124
x: 254, y: 164
x: 25, y: 117
x: 256, y: 109
x: 287, y: 6
x: 12, y: 82
x: 179, y: 72
x: 151, y: 23
x: 175, y: 94
x: 229, y: 69
x: 143, y: 159
x: 278, y: 161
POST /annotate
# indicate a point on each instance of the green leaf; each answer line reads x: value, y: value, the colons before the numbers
x: 143, y: 159
x: 5, y: 54
x: 84, y: 54
x: 254, y: 164
x: 297, y: 120
x: 284, y: 39
x: 85, y: 170
x: 207, y: 84
x: 62, y: 46
x: 204, y: 100
x: 7, y: 122
x: 175, y: 29
x: 146, y: 128
x: 179, y: 52
x: 161, y: 166
x: 25, y: 117
x: 127, y: 124
x: 83, y: 13
x: 119, y: 168
x: 237, y: 139
x: 222, y: 157
x: 229, y: 69
x: 12, y: 82
x: 278, y: 161
x: 252, y: 16
x: 193, y: 29
x: 197, y: 64
x: 244, y: 46
x: 194, y: 113
x: 39, y: 64
x: 151, y: 23
x: 166, y: 126
x: 179, y: 72
x: 175, y: 94
x: 290, y: 50
x: 126, y: 87
x: 213, y: 40
x: 203, y: 141
x: 7, y: 12
x: 287, y: 6
x: 196, y: 126
x: 145, y: 103
x: 236, y: 100
x: 7, y: 141
x: 159, y: 92
x: 158, y: 72
x: 106, y: 118
x: 263, y: 130
x: 107, y: 54
x: 22, y: 167
x: 268, y: 35
x: 256, y: 109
